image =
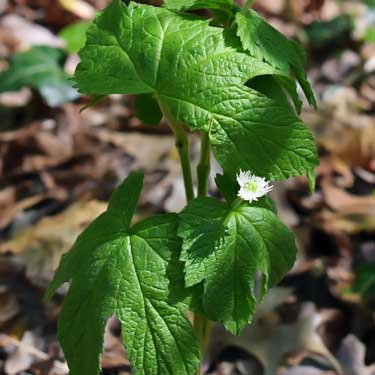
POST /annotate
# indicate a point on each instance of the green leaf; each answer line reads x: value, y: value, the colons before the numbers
x: 252, y: 132
x: 228, y: 186
x: 133, y: 50
x: 311, y: 177
x: 114, y: 269
x: 332, y: 34
x: 274, y: 88
x: 364, y: 283
x: 74, y: 36
x: 42, y: 69
x: 267, y: 203
x: 147, y: 109
x: 182, y: 5
x: 223, y: 10
x: 95, y: 99
x: 370, y: 35
x: 263, y: 41
x: 224, y: 247
x: 142, y: 60
x: 370, y: 3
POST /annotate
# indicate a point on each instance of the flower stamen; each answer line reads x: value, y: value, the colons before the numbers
x: 252, y: 186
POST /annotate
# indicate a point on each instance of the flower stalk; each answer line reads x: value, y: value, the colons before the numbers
x: 201, y: 324
x: 203, y: 169
x: 182, y: 145
x: 202, y: 328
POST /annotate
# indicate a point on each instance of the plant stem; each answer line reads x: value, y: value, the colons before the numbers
x: 201, y: 324
x: 202, y: 329
x: 182, y: 145
x: 203, y: 169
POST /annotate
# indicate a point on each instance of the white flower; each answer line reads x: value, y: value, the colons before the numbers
x: 252, y: 187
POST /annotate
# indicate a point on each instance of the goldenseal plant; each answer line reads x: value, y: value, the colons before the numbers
x: 233, y: 78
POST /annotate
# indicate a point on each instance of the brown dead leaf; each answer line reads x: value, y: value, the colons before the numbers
x: 333, y: 168
x: 305, y: 11
x: 9, y: 306
x: 269, y: 7
x: 3, y: 5
x: 352, y: 357
x: 59, y: 228
x: 9, y: 210
x: 16, y: 99
x: 49, y: 367
x: 341, y: 129
x: 269, y: 340
x: 114, y: 355
x: 80, y: 8
x: 336, y: 223
x: 331, y: 323
x: 40, y: 247
x: 18, y: 34
x: 23, y: 352
x: 58, y: 159
x: 314, y: 5
x: 307, y: 370
x: 346, y: 203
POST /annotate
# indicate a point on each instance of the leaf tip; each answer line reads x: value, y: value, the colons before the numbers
x: 236, y: 327
x: 124, y: 199
x: 311, y: 176
x: 50, y: 291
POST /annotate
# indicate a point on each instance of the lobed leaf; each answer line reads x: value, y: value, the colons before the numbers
x: 264, y: 42
x: 252, y: 132
x: 223, y: 10
x: 249, y: 131
x: 181, y: 5
x: 74, y: 36
x: 132, y: 50
x: 197, y: 74
x: 122, y: 271
x: 224, y: 247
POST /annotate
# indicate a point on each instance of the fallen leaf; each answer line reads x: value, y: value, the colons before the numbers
x: 41, y: 246
x: 114, y: 355
x: 9, y: 306
x: 26, y: 34
x: 352, y: 357
x: 23, y: 354
x: 307, y: 370
x: 346, y: 203
x: 80, y: 8
x: 270, y: 341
